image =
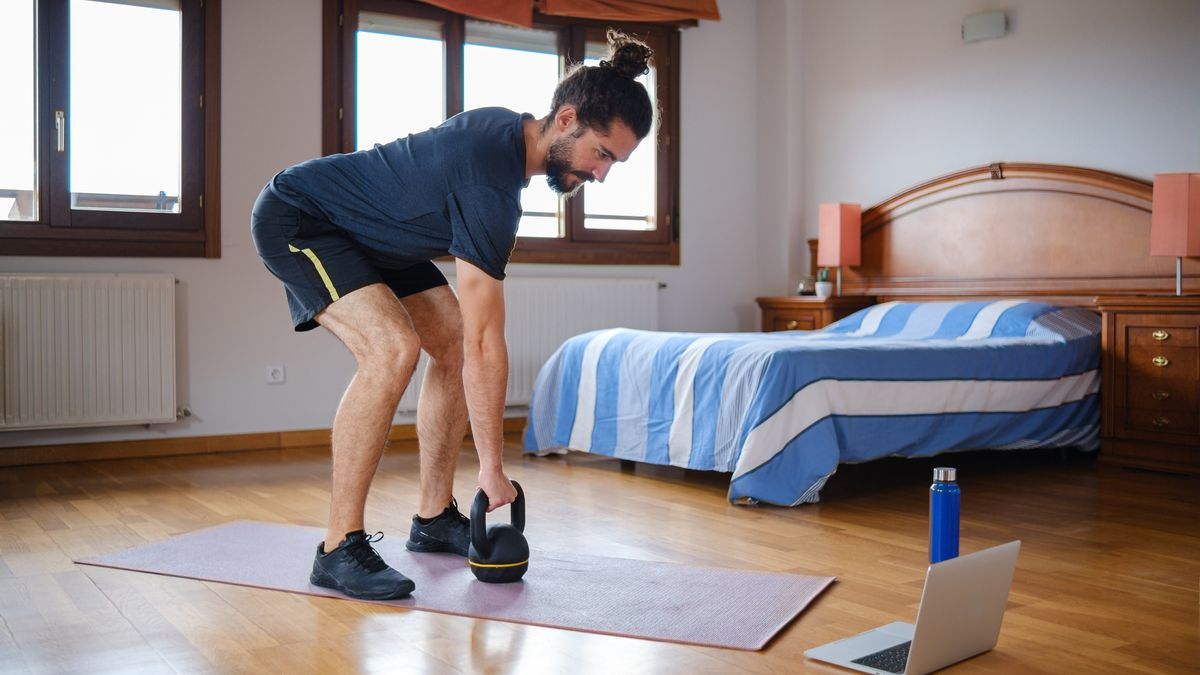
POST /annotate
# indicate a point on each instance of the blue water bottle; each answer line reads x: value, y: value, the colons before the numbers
x: 943, y: 515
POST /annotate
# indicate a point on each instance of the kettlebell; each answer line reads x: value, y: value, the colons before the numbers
x: 500, y: 554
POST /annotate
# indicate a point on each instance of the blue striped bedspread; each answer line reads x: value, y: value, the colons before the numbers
x: 780, y: 411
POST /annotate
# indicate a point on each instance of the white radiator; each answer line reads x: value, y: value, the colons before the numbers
x: 542, y: 312
x: 86, y: 350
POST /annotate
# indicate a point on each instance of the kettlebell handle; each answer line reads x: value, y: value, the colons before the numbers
x: 479, y: 514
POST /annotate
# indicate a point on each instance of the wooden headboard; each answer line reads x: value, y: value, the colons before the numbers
x: 1060, y: 233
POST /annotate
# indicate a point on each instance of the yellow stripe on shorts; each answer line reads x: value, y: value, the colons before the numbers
x: 320, y: 268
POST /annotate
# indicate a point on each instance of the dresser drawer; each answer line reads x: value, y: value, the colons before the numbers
x: 1164, y: 421
x: 1163, y: 394
x: 1163, y: 363
x: 1147, y: 335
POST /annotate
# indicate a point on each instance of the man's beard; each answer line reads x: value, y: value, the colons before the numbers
x: 558, y: 167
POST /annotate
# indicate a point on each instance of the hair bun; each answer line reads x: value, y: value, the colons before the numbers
x: 628, y: 57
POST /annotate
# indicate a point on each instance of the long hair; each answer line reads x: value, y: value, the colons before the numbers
x: 609, y: 91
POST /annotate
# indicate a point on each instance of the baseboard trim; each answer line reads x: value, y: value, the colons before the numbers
x: 199, y: 445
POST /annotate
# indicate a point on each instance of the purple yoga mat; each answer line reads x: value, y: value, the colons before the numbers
x: 708, y: 606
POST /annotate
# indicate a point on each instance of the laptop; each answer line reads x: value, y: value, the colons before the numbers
x: 960, y: 614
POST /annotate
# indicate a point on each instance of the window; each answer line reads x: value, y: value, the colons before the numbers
x: 103, y: 140
x: 490, y: 57
x: 394, y: 102
x: 394, y: 67
x: 627, y: 200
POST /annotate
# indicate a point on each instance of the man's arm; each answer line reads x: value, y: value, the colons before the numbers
x: 485, y: 375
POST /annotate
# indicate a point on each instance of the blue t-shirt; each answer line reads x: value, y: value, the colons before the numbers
x: 454, y: 189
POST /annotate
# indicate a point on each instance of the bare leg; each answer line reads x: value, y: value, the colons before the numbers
x: 442, y: 408
x: 377, y: 330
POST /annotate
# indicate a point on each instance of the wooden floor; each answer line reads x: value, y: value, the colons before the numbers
x: 1107, y: 580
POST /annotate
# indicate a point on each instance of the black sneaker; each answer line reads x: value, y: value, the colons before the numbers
x: 356, y: 570
x: 448, y: 532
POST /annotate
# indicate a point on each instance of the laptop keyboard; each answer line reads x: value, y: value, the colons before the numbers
x: 892, y: 659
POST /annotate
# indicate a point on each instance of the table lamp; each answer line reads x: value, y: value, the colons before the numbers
x: 839, y: 238
x: 1175, y: 219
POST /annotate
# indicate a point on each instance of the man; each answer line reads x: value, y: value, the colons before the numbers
x: 352, y: 238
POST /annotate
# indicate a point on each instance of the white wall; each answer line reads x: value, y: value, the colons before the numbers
x: 781, y: 242
x: 716, y: 283
x: 785, y: 104
x: 893, y: 97
x: 232, y: 317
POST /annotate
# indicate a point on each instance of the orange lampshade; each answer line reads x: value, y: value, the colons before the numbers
x: 1175, y: 220
x: 840, y: 235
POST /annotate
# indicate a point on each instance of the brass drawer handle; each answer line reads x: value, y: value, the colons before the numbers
x: 1160, y: 335
x: 1161, y: 422
x: 1160, y: 396
x: 1160, y: 361
x: 791, y: 325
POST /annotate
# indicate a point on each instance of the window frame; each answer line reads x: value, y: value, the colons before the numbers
x: 578, y: 245
x: 63, y: 231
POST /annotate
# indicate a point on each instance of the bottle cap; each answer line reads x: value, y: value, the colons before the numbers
x: 944, y: 474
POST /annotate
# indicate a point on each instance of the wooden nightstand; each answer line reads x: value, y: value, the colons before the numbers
x: 808, y: 312
x: 1151, y: 382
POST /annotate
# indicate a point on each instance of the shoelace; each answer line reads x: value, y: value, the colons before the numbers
x: 365, y: 555
x: 455, y: 513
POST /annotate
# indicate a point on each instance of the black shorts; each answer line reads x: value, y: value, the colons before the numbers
x: 318, y: 263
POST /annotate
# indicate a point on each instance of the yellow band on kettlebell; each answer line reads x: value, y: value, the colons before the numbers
x: 516, y: 564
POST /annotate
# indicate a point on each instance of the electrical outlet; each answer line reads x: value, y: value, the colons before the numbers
x: 276, y: 374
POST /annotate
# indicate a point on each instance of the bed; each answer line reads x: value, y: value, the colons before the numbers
x: 780, y: 411
x: 980, y: 340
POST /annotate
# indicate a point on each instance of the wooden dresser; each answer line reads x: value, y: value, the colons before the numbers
x: 1151, y: 382
x: 808, y: 312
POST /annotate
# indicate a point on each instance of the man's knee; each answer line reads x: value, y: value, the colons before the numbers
x: 391, y: 349
x: 376, y: 329
x: 438, y: 320
x: 445, y: 345
x: 385, y: 345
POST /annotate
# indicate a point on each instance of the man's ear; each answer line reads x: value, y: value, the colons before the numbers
x: 565, y: 118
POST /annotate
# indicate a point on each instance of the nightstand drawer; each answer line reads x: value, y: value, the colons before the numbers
x: 1163, y: 363
x: 1159, y: 394
x: 1163, y: 336
x: 1164, y: 421
x: 1150, y: 395
x: 807, y: 312
x: 795, y: 321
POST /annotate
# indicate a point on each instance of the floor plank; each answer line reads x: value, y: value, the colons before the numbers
x: 1107, y: 580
